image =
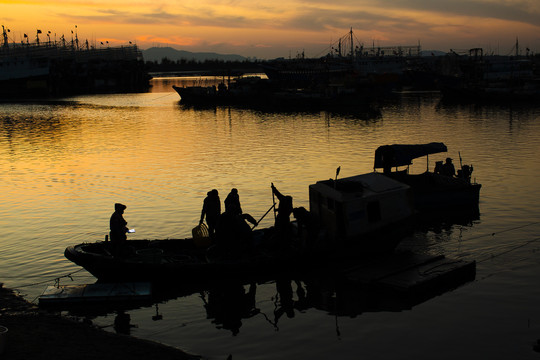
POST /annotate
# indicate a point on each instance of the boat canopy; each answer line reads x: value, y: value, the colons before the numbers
x: 399, y: 154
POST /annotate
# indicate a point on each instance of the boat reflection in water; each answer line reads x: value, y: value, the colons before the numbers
x: 228, y: 304
x: 396, y: 281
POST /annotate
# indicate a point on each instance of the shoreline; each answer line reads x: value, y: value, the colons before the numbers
x: 36, y: 334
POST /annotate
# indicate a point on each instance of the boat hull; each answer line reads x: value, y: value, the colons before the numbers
x: 438, y: 192
x: 173, y: 261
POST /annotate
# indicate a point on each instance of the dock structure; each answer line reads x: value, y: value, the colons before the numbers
x: 408, y: 279
x: 97, y: 293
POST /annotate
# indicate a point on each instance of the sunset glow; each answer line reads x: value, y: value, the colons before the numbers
x: 274, y: 29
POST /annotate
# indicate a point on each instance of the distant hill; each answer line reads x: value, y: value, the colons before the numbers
x: 158, y: 53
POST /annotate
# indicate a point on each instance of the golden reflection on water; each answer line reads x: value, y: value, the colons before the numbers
x: 65, y: 163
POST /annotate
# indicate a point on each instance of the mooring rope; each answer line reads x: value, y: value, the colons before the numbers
x: 492, y: 256
x: 504, y: 230
x: 55, y: 279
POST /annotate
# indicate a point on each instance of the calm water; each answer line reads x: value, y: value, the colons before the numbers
x: 65, y: 163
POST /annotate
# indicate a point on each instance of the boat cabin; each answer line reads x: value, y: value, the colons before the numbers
x: 350, y: 208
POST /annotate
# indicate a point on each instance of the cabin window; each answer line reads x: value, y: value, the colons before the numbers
x: 373, y: 211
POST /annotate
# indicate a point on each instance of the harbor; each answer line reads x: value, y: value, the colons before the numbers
x: 62, y: 180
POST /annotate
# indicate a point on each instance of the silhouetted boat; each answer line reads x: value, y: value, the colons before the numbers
x: 355, y: 217
x: 166, y: 260
x: 246, y: 90
x: 492, y: 78
x: 431, y: 190
x: 42, y: 69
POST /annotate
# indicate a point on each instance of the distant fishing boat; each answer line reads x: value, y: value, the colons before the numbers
x: 244, y: 90
x: 492, y: 78
x: 431, y: 190
x: 349, y: 63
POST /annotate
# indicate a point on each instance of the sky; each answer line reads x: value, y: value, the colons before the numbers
x: 268, y: 29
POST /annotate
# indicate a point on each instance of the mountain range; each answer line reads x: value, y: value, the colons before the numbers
x: 158, y: 53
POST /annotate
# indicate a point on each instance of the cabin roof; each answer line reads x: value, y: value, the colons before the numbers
x: 403, y: 154
x: 365, y: 185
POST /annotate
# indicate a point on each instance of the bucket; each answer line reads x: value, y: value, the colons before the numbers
x: 3, y: 338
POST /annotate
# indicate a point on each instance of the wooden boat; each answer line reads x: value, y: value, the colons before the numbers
x: 431, y: 189
x: 355, y: 217
x: 246, y: 90
x: 180, y: 260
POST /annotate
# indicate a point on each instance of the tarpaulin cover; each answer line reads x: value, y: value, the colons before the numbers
x: 399, y: 155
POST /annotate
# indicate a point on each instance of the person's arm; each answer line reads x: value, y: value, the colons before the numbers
x: 250, y: 218
x: 203, y: 212
x: 276, y: 192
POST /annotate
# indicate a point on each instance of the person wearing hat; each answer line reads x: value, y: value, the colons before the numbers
x: 448, y: 168
x: 118, y: 227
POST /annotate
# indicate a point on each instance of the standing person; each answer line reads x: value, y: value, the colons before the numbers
x: 283, y: 221
x: 118, y: 227
x: 448, y: 168
x: 233, y: 199
x: 211, y: 209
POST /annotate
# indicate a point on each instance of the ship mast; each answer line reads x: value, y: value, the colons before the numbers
x: 352, y: 45
x: 4, y: 37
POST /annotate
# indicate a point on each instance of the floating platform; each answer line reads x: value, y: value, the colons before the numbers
x: 408, y: 273
x: 95, y: 293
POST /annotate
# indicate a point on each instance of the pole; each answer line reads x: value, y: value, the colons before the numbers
x: 274, y: 202
x: 266, y: 213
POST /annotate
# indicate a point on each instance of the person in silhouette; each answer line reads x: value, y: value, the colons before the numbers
x: 211, y: 210
x: 233, y: 199
x: 283, y: 221
x: 308, y: 228
x: 233, y: 233
x: 448, y: 168
x: 118, y: 228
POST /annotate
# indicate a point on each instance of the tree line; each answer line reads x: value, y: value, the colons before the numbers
x: 215, y: 65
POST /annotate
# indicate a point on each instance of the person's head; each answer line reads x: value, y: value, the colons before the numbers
x: 448, y: 160
x: 119, y: 207
x: 214, y: 192
x: 234, y: 191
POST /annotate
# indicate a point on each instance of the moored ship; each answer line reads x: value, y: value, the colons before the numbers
x: 41, y: 69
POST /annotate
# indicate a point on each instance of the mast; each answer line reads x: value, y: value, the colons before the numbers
x: 4, y: 36
x: 352, y: 46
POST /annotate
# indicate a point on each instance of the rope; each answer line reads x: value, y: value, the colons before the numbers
x: 56, y: 280
x: 161, y: 97
x: 503, y: 231
x: 509, y: 250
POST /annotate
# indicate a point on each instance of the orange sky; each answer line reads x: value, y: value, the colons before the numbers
x: 269, y: 29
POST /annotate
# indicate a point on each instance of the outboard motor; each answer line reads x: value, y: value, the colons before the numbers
x: 438, y: 167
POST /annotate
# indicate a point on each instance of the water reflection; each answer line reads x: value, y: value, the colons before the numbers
x: 363, y: 112
x: 230, y: 304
